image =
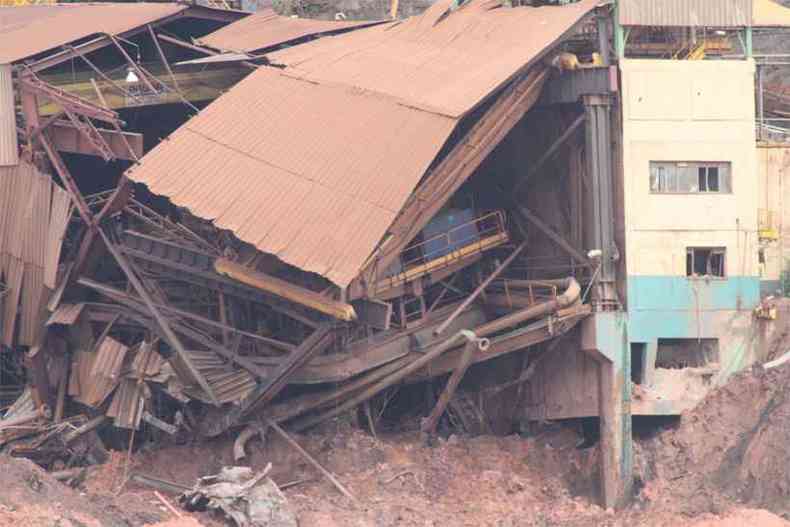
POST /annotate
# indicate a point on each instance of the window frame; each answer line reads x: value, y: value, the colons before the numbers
x: 721, y: 251
x: 690, y: 170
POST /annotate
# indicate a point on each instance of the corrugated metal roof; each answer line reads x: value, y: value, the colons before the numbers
x: 29, y: 30
x: 716, y: 13
x: 9, y: 149
x: 315, y: 170
x: 313, y: 174
x: 768, y: 13
x: 437, y: 62
x: 266, y: 29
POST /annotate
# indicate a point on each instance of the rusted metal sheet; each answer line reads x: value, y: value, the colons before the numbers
x: 9, y: 154
x: 66, y: 314
x: 127, y: 404
x: 442, y: 61
x: 313, y: 170
x: 266, y: 29
x: 105, y: 372
x: 716, y: 13
x: 29, y: 30
x: 34, y: 213
x: 279, y: 162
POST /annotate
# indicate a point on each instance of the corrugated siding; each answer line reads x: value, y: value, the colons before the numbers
x: 266, y: 29
x: 315, y: 169
x: 716, y: 13
x: 9, y: 154
x: 33, y: 217
x: 29, y: 30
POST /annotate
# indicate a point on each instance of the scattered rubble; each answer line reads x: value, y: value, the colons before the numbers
x: 248, y: 499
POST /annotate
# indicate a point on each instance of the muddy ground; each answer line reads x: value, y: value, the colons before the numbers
x: 724, y: 464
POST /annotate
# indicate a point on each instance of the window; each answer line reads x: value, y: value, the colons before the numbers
x: 676, y: 177
x: 706, y: 261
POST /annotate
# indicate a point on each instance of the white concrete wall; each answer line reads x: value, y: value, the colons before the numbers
x: 689, y: 111
x: 774, y: 196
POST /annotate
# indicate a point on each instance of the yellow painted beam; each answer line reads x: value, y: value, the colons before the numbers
x: 288, y: 291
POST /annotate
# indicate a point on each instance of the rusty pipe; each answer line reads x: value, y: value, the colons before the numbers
x: 416, y: 365
x: 569, y: 297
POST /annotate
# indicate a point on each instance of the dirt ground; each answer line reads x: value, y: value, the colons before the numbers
x: 724, y: 465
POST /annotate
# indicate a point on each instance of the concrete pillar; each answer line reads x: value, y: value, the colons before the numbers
x: 649, y: 363
x: 604, y: 336
x: 9, y: 153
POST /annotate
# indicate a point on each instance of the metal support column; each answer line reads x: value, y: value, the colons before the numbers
x: 605, y: 333
x: 603, y: 39
x: 598, y: 149
x: 749, y: 45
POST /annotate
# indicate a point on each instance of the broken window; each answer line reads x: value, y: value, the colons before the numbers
x: 675, y: 177
x: 706, y: 261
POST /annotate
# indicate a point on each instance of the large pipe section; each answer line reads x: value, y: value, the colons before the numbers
x: 9, y: 154
x: 569, y: 297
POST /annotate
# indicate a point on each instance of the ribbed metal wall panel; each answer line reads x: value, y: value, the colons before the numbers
x: 715, y: 13
x: 8, y: 144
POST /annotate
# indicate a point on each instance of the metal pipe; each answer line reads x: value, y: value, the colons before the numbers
x: 471, y: 298
x: 569, y: 297
x: 448, y: 344
x: 429, y: 424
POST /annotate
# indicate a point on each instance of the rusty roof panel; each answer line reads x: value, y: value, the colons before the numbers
x: 105, y: 372
x: 314, y: 168
x: 281, y: 163
x: 266, y: 29
x: 29, y: 30
x: 716, y: 13
x: 439, y: 61
x: 66, y: 314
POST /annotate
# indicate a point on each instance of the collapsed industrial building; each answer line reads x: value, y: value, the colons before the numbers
x: 217, y: 221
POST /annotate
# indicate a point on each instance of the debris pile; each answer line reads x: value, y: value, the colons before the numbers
x: 248, y: 499
x: 734, y: 447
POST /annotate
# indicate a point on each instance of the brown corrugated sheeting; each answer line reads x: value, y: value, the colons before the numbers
x: 266, y: 29
x: 310, y: 173
x: 716, y: 13
x: 105, y: 372
x: 34, y: 213
x: 29, y: 30
x: 314, y: 169
x: 66, y: 314
x: 441, y: 61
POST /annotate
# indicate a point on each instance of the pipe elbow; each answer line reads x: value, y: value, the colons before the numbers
x: 571, y: 295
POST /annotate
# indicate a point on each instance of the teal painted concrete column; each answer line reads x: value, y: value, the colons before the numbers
x: 605, y: 336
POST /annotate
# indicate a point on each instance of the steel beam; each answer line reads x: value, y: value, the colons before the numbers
x: 184, y: 367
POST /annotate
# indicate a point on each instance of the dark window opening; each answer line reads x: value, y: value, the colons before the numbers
x: 687, y: 353
x: 706, y: 261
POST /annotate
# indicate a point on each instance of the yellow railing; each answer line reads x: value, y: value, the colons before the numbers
x: 447, y: 248
x: 768, y: 224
